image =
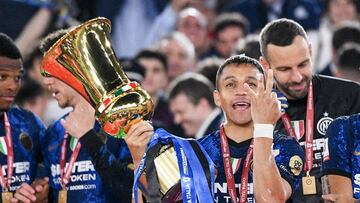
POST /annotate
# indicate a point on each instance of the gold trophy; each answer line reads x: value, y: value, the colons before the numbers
x: 85, y: 60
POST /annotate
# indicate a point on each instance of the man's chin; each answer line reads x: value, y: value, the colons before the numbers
x: 2, y: 109
x: 298, y: 94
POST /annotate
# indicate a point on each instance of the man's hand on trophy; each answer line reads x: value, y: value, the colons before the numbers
x: 80, y: 120
x: 265, y: 107
x: 36, y: 192
x: 137, y: 139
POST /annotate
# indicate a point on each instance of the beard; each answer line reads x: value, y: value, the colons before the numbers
x: 295, y: 94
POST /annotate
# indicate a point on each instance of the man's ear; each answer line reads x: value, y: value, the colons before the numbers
x: 264, y: 63
x: 216, y: 95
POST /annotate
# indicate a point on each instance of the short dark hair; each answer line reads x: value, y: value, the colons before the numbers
x: 230, y: 19
x: 237, y: 60
x: 348, y: 57
x: 30, y: 89
x: 195, y: 86
x: 208, y: 67
x: 280, y: 32
x: 250, y: 46
x: 348, y: 32
x: 50, y: 39
x: 152, y: 54
x: 8, y: 48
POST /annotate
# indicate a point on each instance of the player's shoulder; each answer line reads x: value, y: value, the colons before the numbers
x: 343, y: 123
x: 56, y: 127
x: 20, y: 115
x: 334, y: 83
x: 284, y: 141
x: 210, y: 139
x: 211, y: 144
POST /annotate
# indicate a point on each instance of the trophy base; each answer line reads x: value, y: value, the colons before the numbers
x: 173, y: 195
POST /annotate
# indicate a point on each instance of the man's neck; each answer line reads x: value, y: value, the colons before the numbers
x: 239, y: 133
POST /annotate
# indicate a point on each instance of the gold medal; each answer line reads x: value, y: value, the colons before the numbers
x: 6, y: 196
x: 309, y: 185
x: 62, y: 196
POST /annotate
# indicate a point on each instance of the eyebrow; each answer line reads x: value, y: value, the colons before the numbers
x: 229, y: 77
x: 233, y: 77
x: 251, y: 77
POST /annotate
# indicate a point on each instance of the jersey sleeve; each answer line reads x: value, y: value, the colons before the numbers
x: 117, y: 177
x: 289, y: 158
x: 337, y: 154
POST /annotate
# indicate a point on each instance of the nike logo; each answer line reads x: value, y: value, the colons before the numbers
x: 356, y: 153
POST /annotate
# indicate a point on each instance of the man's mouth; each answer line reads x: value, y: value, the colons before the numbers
x: 54, y: 94
x: 8, y: 98
x: 241, y: 106
x: 298, y: 86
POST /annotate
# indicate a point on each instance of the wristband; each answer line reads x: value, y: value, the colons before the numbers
x: 263, y: 130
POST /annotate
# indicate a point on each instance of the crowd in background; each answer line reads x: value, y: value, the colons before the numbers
x: 174, y: 48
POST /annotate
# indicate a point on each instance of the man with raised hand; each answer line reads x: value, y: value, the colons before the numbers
x: 313, y: 100
x: 253, y: 162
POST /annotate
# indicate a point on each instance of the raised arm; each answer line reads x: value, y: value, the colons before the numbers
x: 269, y: 186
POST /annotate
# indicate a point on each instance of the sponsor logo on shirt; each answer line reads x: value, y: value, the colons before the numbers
x: 21, y: 174
x: 82, y: 171
x: 318, y: 146
x: 324, y: 123
x: 357, y: 179
x: 221, y: 188
x: 357, y: 184
x: 296, y: 165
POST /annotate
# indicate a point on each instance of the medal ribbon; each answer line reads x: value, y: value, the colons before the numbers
x: 309, y: 128
x: 10, y: 156
x: 225, y: 151
x: 66, y: 176
x: 287, y: 123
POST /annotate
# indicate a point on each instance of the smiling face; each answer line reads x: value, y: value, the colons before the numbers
x: 292, y: 67
x: 231, y: 95
x: 63, y: 93
x: 10, y: 78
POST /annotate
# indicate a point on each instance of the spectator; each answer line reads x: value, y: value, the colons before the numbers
x: 347, y: 32
x: 348, y: 62
x: 209, y: 67
x: 249, y: 46
x: 228, y: 29
x: 337, y: 12
x: 193, y: 24
x: 155, y: 83
x: 180, y: 54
